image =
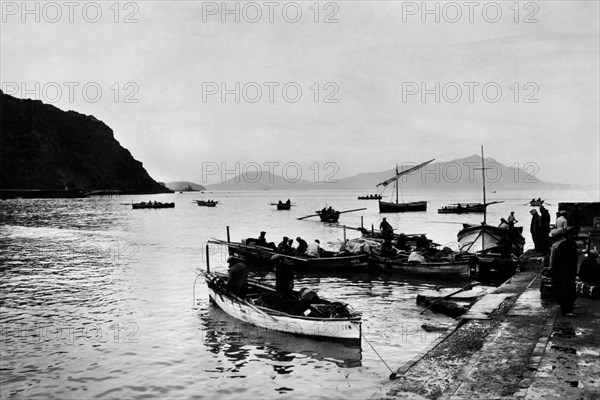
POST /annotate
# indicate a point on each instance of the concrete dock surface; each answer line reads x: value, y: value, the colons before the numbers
x: 513, y: 343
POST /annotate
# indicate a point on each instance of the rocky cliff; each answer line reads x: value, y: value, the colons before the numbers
x: 43, y: 147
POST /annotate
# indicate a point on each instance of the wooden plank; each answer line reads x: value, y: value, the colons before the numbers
x: 484, y: 307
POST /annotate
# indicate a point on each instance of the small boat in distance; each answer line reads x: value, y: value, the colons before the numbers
x: 151, y: 204
x: 370, y: 197
x: 328, y: 214
x: 464, y: 208
x: 319, y: 317
x: 391, y: 207
x: 207, y: 203
x: 283, y: 206
x: 536, y: 203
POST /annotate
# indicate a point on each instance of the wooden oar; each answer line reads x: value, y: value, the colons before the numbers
x: 308, y: 216
x: 468, y: 287
x: 357, y: 209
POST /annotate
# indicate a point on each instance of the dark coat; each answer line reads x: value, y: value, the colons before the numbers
x: 238, y: 280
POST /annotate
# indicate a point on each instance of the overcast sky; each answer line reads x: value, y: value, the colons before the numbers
x: 523, y: 81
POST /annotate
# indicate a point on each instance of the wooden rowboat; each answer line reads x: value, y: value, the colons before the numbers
x: 260, y: 256
x: 207, y: 203
x: 324, y: 319
x: 457, y: 269
x: 150, y: 204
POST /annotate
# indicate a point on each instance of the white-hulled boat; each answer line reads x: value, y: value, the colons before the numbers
x: 324, y: 319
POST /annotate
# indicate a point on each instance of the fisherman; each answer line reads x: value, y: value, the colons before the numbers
x: 284, y: 276
x: 512, y: 221
x: 314, y: 249
x: 386, y: 228
x: 262, y: 240
x: 561, y: 220
x: 422, y: 243
x: 302, y: 245
x: 237, y: 283
x: 563, y: 263
x: 589, y: 271
x: 401, y: 243
x: 288, y: 202
x: 387, y: 250
x: 535, y: 230
x: 283, y: 247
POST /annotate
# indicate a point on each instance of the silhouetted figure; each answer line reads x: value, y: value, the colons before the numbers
x: 563, y: 262
x: 237, y: 283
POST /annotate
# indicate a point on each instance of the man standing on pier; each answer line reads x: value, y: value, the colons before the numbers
x: 563, y: 262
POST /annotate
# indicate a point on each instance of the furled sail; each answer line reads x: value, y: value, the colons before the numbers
x: 406, y: 171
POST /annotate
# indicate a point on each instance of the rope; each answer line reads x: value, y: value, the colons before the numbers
x: 393, y: 374
x: 194, y: 288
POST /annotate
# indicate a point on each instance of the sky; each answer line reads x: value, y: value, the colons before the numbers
x: 199, y: 91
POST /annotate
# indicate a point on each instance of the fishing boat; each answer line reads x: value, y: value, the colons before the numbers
x: 207, y: 203
x: 319, y: 318
x: 462, y: 208
x: 459, y: 268
x: 344, y: 353
x: 259, y: 256
x: 151, y: 204
x: 492, y: 245
x: 328, y: 215
x: 283, y: 206
x: 370, y: 197
x: 536, y: 203
x: 393, y: 207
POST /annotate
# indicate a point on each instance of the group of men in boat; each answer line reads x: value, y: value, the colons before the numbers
x: 286, y: 246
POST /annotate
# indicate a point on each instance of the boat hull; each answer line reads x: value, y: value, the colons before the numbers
x: 446, y: 269
x: 388, y: 207
x: 203, y: 203
x: 474, y: 238
x: 332, y: 328
x: 142, y: 206
x: 284, y: 206
x: 260, y: 256
x: 463, y: 209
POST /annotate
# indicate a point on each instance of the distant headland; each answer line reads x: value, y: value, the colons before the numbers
x: 47, y: 152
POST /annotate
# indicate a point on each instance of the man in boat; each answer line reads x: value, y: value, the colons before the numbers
x: 387, y: 250
x: 401, y: 243
x: 386, y: 228
x: 314, y: 249
x: 288, y: 202
x: 237, y: 283
x: 262, y: 240
x: 302, y: 246
x: 512, y: 221
x: 563, y: 263
x: 422, y: 243
x: 283, y: 247
x: 284, y: 276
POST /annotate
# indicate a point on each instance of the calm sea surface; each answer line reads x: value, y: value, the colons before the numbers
x: 98, y: 300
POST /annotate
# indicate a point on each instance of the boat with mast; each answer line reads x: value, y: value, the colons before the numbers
x: 497, y: 248
x: 392, y: 207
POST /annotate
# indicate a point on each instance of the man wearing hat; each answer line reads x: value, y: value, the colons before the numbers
x: 561, y: 220
x: 563, y: 262
x: 238, y: 277
x: 262, y: 240
x: 544, y: 229
x: 535, y: 229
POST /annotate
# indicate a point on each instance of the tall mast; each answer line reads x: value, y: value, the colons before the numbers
x: 483, y: 176
x: 396, y: 183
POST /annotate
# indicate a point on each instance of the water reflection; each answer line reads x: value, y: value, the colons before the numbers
x: 234, y: 338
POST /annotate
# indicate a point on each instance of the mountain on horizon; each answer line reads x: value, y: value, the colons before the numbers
x: 184, y: 186
x: 459, y: 174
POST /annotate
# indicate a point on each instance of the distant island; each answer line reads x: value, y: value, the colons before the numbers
x: 184, y: 186
x: 459, y: 174
x: 48, y: 151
